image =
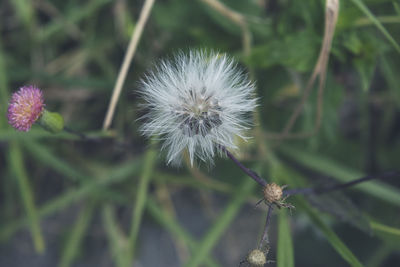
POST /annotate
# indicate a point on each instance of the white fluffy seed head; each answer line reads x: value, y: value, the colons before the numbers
x: 197, y: 102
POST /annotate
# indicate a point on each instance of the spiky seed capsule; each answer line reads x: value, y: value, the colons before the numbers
x: 197, y: 102
x: 272, y: 193
x: 257, y: 258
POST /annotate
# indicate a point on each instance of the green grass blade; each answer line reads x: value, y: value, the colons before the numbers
x: 38, y: 133
x: 119, y: 174
x: 148, y: 168
x: 378, y: 227
x: 25, y: 11
x: 391, y: 77
x: 3, y: 81
x: 18, y: 169
x: 74, y: 241
x: 331, y: 236
x: 45, y: 156
x: 175, y: 229
x: 360, y: 4
x: 342, y: 173
x: 75, y: 16
x: 3, y: 88
x: 379, y: 255
x: 285, y: 254
x: 222, y: 223
x: 117, y: 241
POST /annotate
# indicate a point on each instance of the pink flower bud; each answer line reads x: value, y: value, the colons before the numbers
x: 26, y: 106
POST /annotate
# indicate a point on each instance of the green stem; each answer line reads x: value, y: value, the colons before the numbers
x: 19, y: 171
x: 74, y: 241
x: 117, y: 240
x: 147, y: 171
x: 175, y: 229
x: 382, y: 19
x: 119, y: 174
x: 221, y: 224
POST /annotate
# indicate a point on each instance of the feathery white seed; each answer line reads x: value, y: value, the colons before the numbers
x: 197, y: 101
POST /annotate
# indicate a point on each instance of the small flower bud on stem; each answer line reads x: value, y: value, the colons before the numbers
x: 51, y: 121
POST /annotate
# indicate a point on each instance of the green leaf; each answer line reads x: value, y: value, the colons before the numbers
x: 388, y: 233
x: 360, y: 4
x: 332, y: 238
x: 76, y: 15
x: 285, y: 254
x: 285, y: 52
x: 365, y: 69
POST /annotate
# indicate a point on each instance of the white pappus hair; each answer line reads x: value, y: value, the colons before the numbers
x: 197, y: 101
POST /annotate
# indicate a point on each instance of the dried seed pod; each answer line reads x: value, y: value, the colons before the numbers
x: 272, y: 193
x: 257, y: 258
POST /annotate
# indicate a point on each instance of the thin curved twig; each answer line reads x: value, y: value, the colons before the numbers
x: 340, y: 186
x: 130, y: 52
x: 264, y: 238
x: 320, y: 70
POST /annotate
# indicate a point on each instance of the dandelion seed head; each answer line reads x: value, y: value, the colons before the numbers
x: 197, y: 102
x: 25, y: 107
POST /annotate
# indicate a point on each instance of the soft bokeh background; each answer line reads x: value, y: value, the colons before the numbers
x: 114, y: 202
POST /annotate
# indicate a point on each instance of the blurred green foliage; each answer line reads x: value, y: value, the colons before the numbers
x: 73, y: 50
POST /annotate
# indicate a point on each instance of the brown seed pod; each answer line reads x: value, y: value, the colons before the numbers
x: 272, y: 193
x: 257, y: 258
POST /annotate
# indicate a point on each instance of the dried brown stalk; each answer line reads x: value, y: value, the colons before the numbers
x: 130, y: 52
x: 320, y: 70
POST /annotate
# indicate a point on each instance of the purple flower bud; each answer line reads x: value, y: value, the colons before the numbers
x: 26, y: 106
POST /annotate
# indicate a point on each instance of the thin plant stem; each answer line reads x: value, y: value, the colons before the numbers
x: 79, y: 134
x: 246, y: 170
x: 320, y: 70
x: 141, y: 197
x: 117, y: 241
x: 237, y: 18
x: 170, y: 224
x: 26, y: 191
x: 221, y: 224
x: 75, y: 239
x: 130, y: 52
x: 340, y: 186
x: 264, y: 238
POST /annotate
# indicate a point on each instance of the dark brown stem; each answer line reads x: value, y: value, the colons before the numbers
x: 327, y: 189
x: 246, y: 170
x: 265, y: 234
x: 81, y: 135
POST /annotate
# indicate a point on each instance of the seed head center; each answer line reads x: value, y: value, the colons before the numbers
x: 199, y: 114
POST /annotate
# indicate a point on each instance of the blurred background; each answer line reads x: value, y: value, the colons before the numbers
x: 112, y: 201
